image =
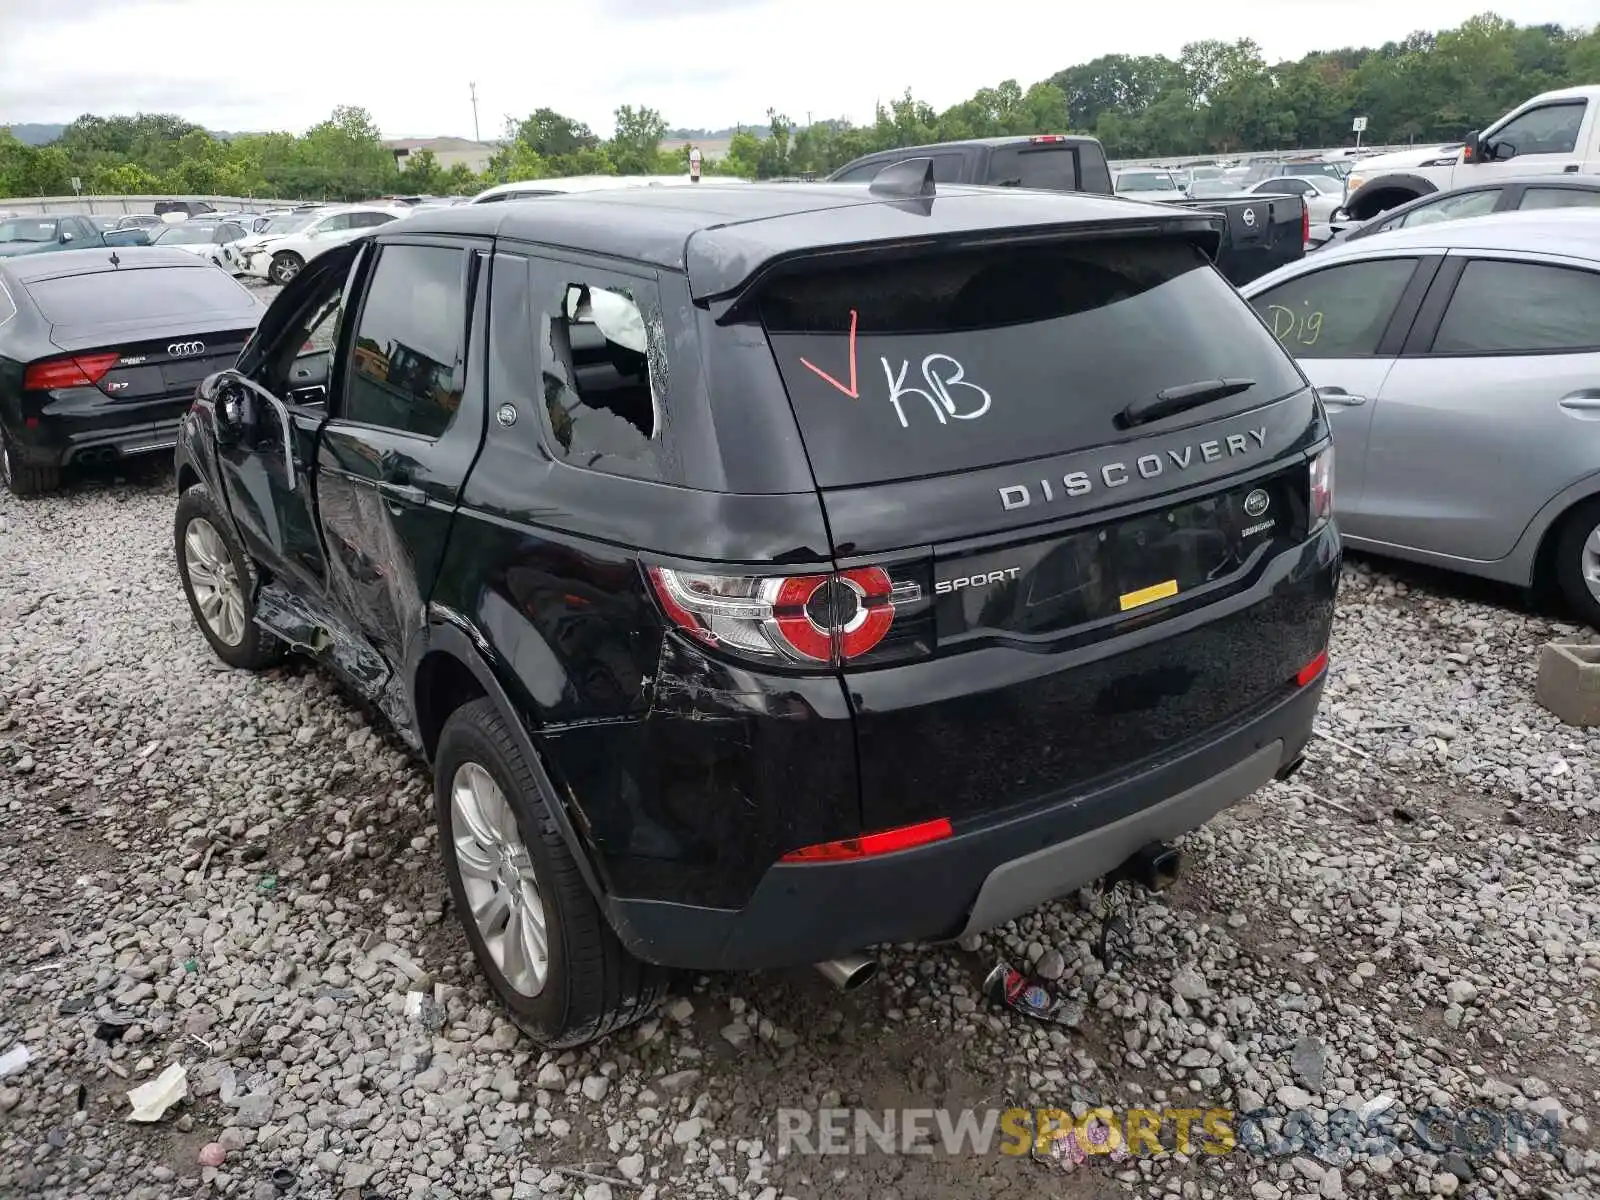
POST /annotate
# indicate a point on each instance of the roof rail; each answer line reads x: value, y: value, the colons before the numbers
x: 907, y: 179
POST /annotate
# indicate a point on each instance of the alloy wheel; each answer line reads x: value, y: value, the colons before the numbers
x: 1591, y: 563
x: 497, y: 876
x: 218, y: 593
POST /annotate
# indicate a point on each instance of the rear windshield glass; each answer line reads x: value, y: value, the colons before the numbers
x: 1050, y: 167
x: 978, y: 358
x: 108, y: 297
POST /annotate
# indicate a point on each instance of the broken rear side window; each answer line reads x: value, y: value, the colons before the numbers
x: 967, y: 359
x: 602, y: 367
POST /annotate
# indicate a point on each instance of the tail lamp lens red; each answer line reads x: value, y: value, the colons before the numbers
x: 803, y: 619
x: 870, y: 845
x: 1305, y: 221
x: 86, y: 370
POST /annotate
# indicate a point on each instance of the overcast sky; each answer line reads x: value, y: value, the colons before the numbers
x: 284, y: 64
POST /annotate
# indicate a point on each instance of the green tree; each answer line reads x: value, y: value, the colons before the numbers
x: 422, y: 174
x: 637, y: 139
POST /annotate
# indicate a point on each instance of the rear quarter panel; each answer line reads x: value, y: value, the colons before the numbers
x: 686, y: 774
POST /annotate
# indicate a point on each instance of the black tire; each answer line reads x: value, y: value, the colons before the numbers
x: 255, y: 649
x: 285, y: 266
x: 593, y: 986
x: 1576, y: 527
x: 24, y: 481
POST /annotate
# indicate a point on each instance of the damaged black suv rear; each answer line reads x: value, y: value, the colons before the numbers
x: 770, y: 573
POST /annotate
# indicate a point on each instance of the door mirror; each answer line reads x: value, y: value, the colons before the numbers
x: 1473, y: 151
x: 237, y: 402
x: 231, y: 408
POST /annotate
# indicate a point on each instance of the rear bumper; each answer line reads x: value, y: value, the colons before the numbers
x: 986, y: 874
x: 98, y: 434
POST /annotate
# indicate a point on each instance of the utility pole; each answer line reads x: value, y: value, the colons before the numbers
x: 473, y: 88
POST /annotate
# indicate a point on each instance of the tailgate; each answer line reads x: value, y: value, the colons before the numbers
x: 156, y: 368
x: 1053, y: 564
x: 1264, y: 233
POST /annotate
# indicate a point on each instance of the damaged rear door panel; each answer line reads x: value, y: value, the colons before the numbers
x: 687, y: 773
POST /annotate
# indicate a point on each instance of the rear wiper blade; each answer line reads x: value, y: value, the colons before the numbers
x: 1180, y: 398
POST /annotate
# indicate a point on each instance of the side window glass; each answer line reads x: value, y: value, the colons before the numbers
x: 603, y: 366
x: 948, y: 168
x: 408, y: 364
x: 298, y: 372
x: 333, y: 224
x: 1337, y: 313
x: 1507, y: 307
x: 1551, y: 197
x: 1451, y: 208
x: 1552, y: 129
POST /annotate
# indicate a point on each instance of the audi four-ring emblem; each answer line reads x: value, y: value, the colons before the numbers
x: 186, y: 349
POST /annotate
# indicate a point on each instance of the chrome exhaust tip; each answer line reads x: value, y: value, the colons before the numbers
x: 850, y: 972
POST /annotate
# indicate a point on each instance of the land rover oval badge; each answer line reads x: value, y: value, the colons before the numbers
x: 1257, y: 502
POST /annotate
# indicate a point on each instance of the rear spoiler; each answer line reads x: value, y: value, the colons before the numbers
x: 736, y: 266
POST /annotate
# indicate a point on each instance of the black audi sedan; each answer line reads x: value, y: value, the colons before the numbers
x: 100, y: 352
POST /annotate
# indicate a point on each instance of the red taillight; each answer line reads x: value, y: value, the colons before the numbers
x: 1047, y: 138
x: 1312, y: 669
x: 805, y: 619
x: 1305, y: 221
x: 872, y: 844
x: 84, y: 371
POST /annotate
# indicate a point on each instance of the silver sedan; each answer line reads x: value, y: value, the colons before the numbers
x: 1460, y: 366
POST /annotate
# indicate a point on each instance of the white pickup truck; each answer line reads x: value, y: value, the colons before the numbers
x: 1557, y: 133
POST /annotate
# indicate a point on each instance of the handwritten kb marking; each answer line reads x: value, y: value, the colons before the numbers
x: 940, y: 381
x: 937, y: 387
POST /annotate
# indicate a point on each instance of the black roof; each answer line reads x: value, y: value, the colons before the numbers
x: 721, y: 237
x: 54, y: 264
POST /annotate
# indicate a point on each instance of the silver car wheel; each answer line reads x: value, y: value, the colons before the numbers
x: 497, y: 877
x: 218, y: 594
x: 1591, y: 562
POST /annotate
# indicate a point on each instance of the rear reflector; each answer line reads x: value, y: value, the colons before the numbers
x: 1312, y: 669
x: 872, y: 844
x: 84, y: 371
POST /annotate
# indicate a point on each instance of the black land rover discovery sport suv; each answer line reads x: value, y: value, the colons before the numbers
x: 773, y: 572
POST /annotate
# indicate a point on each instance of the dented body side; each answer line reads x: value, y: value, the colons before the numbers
x: 686, y: 776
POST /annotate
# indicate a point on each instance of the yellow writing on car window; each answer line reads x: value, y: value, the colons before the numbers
x: 1302, y: 328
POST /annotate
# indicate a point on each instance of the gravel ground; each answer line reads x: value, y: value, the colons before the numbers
x: 238, y: 874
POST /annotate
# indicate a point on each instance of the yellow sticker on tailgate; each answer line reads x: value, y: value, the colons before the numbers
x: 1149, y: 595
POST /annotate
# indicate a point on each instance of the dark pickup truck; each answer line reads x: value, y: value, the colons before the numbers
x: 40, y: 235
x: 1259, y: 234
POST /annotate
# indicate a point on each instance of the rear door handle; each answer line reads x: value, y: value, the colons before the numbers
x: 1570, y: 169
x: 1337, y: 397
x: 1586, y: 400
x: 408, y: 493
